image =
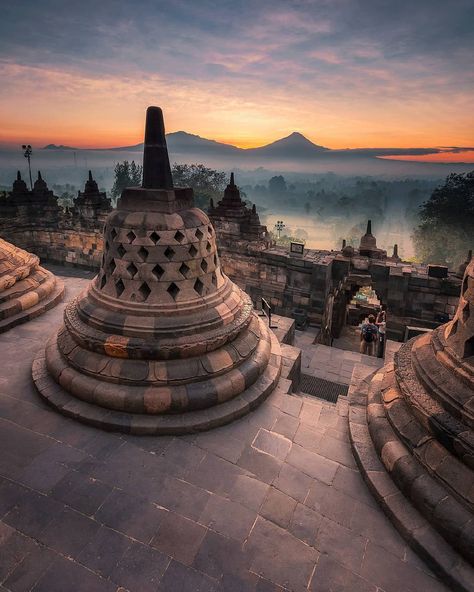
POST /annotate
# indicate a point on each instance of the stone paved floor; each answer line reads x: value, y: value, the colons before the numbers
x: 330, y: 363
x: 269, y: 503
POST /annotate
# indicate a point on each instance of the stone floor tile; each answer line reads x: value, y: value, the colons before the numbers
x: 228, y: 517
x: 330, y: 575
x: 246, y: 582
x: 263, y: 466
x: 182, y: 497
x: 312, y: 464
x: 13, y: 548
x: 178, y: 537
x: 293, y: 482
x: 280, y: 557
x: 104, y: 551
x: 140, y: 569
x: 278, y: 507
x: 286, y: 425
x: 272, y: 443
x: 67, y: 575
x: 392, y: 575
x: 11, y: 493
x: 307, y: 437
x: 32, y: 514
x: 185, y: 455
x: 341, y: 544
x: 291, y: 405
x: 219, y: 555
x: 332, y: 503
x: 27, y: 573
x: 131, y: 515
x: 69, y: 532
x: 249, y: 491
x: 181, y: 578
x: 81, y: 492
x: 227, y: 447
x: 214, y: 474
x: 305, y: 523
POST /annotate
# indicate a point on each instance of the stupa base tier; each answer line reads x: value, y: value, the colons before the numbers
x: 31, y: 301
x: 144, y: 424
x: 420, y: 504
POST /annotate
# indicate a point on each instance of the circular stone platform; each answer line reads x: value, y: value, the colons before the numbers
x: 26, y: 289
x: 412, y: 435
x: 161, y: 341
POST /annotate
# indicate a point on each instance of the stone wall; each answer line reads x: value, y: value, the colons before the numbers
x: 318, y: 284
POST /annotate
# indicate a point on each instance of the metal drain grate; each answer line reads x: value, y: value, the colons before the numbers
x: 322, y: 389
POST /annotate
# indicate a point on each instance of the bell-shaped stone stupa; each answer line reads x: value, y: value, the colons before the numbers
x: 412, y: 435
x: 161, y: 341
x: 26, y: 289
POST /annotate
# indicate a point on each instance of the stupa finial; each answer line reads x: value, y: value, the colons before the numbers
x: 18, y: 176
x: 395, y: 251
x: 232, y: 182
x: 90, y: 176
x: 156, y: 163
x: 369, y: 227
x: 40, y: 178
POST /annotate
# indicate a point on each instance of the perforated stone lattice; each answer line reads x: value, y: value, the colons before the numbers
x: 137, y: 265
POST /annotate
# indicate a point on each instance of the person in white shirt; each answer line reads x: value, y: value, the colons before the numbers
x: 381, y: 323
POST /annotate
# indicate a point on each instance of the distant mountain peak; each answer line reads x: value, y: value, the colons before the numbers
x: 58, y: 147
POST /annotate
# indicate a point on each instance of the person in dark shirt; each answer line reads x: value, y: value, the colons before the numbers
x: 368, y: 337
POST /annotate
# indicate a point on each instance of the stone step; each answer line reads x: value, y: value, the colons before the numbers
x: 46, y: 297
x: 431, y: 414
x: 430, y: 496
x: 141, y: 424
x: 417, y: 531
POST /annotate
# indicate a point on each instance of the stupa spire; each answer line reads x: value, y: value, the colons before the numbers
x: 369, y: 227
x: 156, y: 163
x: 232, y: 182
x: 90, y: 176
x: 40, y: 178
x: 18, y: 176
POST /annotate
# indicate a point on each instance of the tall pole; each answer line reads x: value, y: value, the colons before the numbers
x: 27, y: 154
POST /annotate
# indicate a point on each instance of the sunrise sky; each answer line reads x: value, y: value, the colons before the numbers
x: 344, y: 73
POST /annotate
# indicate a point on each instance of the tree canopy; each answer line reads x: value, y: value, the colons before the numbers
x: 207, y: 183
x: 446, y: 231
x: 126, y: 174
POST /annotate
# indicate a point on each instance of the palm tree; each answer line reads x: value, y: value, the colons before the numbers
x: 28, y: 150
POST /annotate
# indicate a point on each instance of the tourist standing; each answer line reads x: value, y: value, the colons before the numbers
x: 381, y: 323
x: 368, y: 337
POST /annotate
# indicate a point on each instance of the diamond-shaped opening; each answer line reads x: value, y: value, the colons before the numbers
x: 199, y: 286
x: 119, y: 288
x: 214, y: 279
x: 173, y: 290
x: 208, y: 247
x: 158, y: 271
x: 103, y: 281
x: 106, y: 246
x: 112, y: 266
x: 142, y: 253
x: 209, y: 229
x: 199, y: 234
x: 193, y: 251
x: 155, y: 237
x: 169, y: 253
x: 465, y: 312
x: 469, y: 348
x: 179, y: 236
x: 453, y: 329
x: 144, y: 291
x: 113, y: 234
x: 204, y: 265
x: 215, y: 260
x: 131, y: 236
x: 183, y: 270
x: 121, y: 251
x: 132, y: 269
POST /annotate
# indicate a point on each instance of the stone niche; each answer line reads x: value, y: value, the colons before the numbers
x: 162, y: 341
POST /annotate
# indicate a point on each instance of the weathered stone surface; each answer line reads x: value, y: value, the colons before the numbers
x: 162, y: 341
x: 26, y: 289
x: 420, y: 427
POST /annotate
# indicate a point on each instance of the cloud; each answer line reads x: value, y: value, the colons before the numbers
x: 336, y: 65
